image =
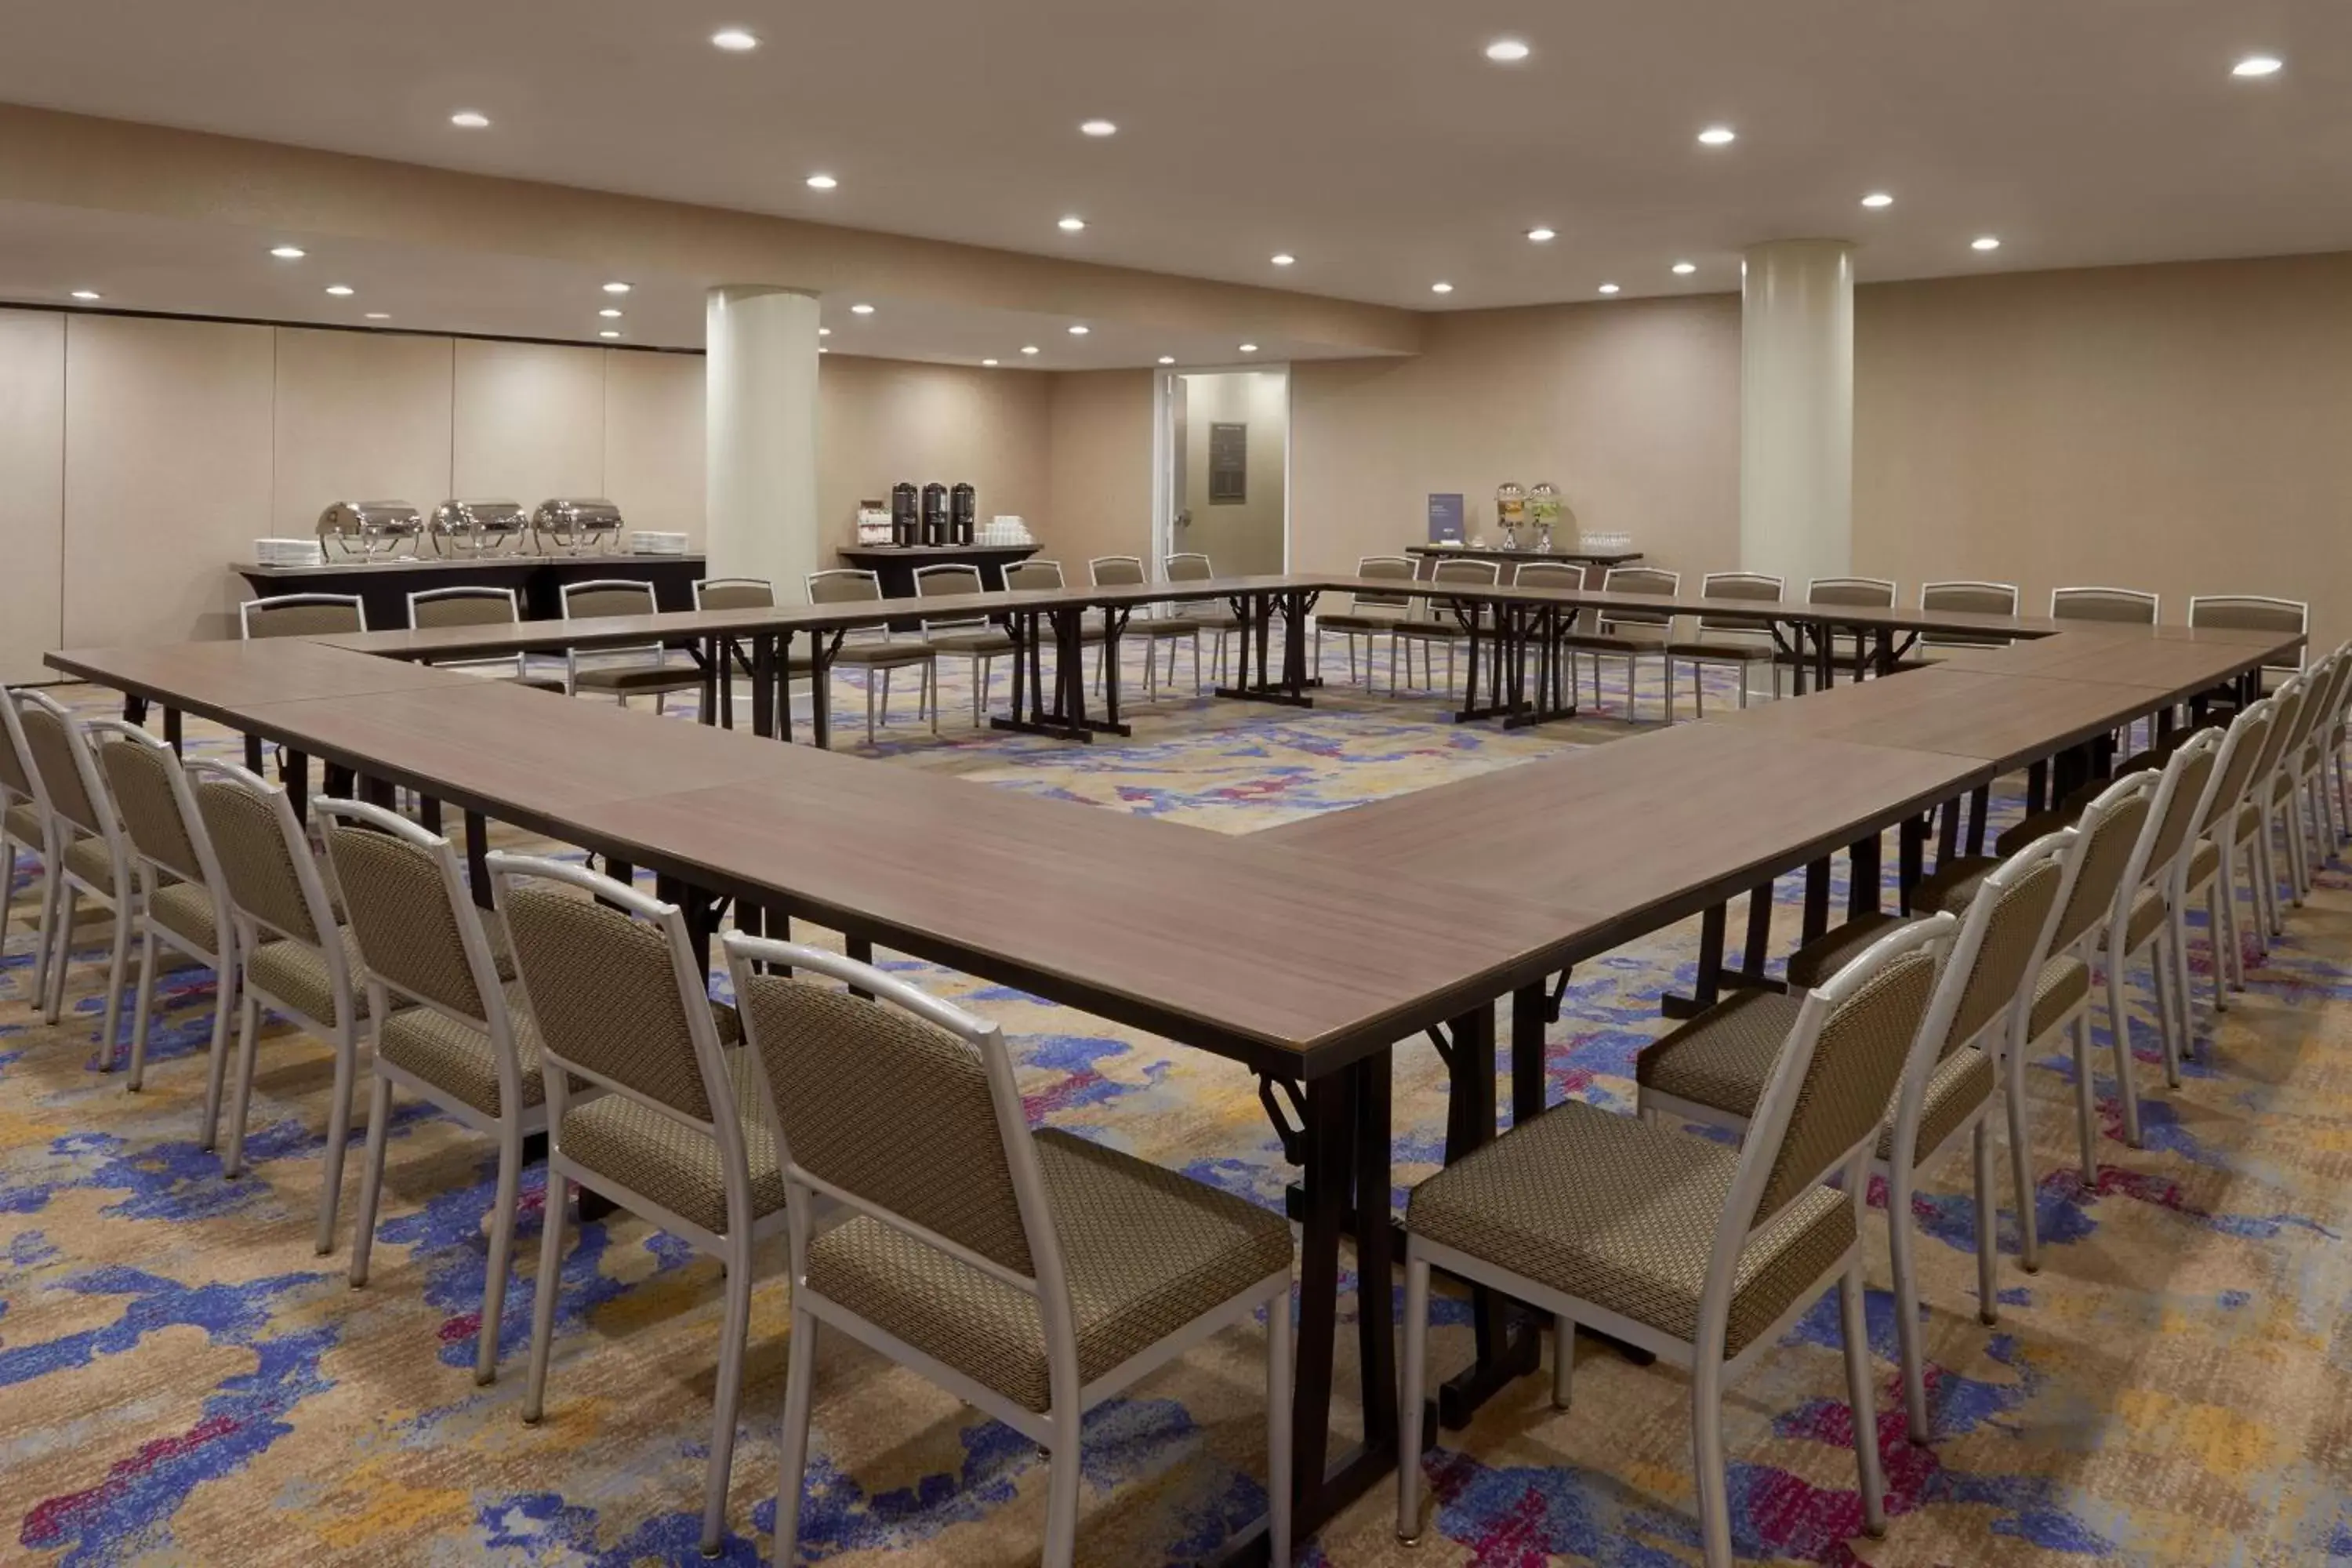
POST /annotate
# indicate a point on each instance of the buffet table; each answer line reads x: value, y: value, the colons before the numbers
x: 383, y: 585
x: 896, y: 563
x: 1580, y: 557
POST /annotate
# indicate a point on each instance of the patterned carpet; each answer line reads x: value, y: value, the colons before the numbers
x: 183, y: 1381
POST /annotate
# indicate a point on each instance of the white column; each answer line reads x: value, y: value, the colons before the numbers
x: 1796, y: 410
x: 759, y: 419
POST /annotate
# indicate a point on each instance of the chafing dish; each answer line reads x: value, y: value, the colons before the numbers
x: 478, y: 527
x: 576, y: 525
x: 377, y: 530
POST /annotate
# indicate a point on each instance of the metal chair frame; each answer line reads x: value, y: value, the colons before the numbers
x: 1149, y: 623
x: 983, y: 665
x: 245, y: 626
x: 633, y: 657
x: 927, y: 689
x: 69, y: 885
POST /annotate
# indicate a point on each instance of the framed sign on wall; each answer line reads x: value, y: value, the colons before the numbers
x: 1228, y: 465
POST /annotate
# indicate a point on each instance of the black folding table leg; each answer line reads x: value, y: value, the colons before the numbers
x: 1709, y: 983
x: 1509, y: 1345
x: 1913, y: 849
x: 1979, y: 803
x: 1948, y: 837
x: 1530, y: 1011
x: 1862, y: 893
x: 2037, y: 786
x: 1817, y: 902
x: 428, y: 812
x: 764, y: 684
x: 477, y: 862
x: 172, y: 730
x: 253, y: 753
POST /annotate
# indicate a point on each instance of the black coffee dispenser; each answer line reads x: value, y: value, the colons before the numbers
x: 963, y: 508
x: 906, y: 527
x: 935, y: 527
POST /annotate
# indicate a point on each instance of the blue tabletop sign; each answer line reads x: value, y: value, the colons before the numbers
x: 1446, y: 519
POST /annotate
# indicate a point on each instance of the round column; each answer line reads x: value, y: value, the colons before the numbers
x: 1796, y: 410
x: 759, y: 422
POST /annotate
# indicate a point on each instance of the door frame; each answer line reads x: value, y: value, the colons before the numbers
x: 1165, y: 383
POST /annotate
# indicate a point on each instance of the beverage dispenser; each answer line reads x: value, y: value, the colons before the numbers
x: 964, y: 512
x: 906, y: 527
x: 936, y: 528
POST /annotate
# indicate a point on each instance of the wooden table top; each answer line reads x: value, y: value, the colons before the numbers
x: 2180, y: 665
x: 215, y: 678
x: 2004, y: 719
x: 1619, y: 839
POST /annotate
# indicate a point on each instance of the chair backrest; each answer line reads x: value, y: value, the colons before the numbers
x: 1484, y: 574
x: 61, y: 761
x: 419, y: 932
x: 2233, y: 773
x: 1761, y: 587
x: 1391, y: 568
x: 156, y: 805
x: 1562, y: 575
x: 1115, y: 571
x: 2287, y: 705
x: 2336, y: 688
x: 1866, y: 592
x: 302, y: 616
x: 1971, y: 598
x: 843, y: 586
x: 1189, y: 566
x: 2129, y: 606
x: 19, y: 778
x: 943, y: 580
x: 2256, y: 612
x: 473, y: 604
x: 618, y: 999
x: 2172, y: 815
x: 266, y: 865
x: 2105, y: 838
x: 1639, y: 580
x: 2003, y: 938
x: 733, y: 593
x: 905, y: 1109
x: 600, y: 596
x: 1034, y: 574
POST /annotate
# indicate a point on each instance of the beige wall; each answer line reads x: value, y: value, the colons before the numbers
x: 881, y: 421
x: 32, y: 488
x: 1099, y: 467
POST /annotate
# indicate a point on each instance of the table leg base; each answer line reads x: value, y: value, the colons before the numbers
x: 1085, y: 731
x: 1318, y: 1505
x: 1268, y: 694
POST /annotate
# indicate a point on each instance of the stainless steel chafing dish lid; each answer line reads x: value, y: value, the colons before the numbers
x: 479, y: 517
x: 371, y: 519
x: 582, y: 514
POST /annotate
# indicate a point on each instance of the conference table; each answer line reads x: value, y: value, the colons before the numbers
x: 1306, y: 952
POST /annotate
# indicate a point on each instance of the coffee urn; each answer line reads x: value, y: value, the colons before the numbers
x: 906, y: 528
x: 963, y: 511
x: 936, y: 528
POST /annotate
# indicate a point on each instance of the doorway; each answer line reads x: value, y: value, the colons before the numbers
x: 1224, y: 473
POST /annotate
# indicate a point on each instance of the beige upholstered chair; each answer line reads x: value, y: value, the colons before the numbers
x: 92, y: 853
x: 733, y: 593
x: 1971, y: 598
x: 1699, y: 1254
x: 292, y: 955
x: 1740, y: 644
x: 1432, y: 621
x: 2210, y: 866
x: 1632, y: 635
x: 1147, y: 624
x: 621, y: 673
x: 2126, y: 607
x: 968, y: 636
x: 479, y: 605
x: 1861, y: 593
x: 1370, y: 616
x: 182, y: 902
x: 1209, y: 616
x: 2298, y: 802
x: 2254, y: 611
x: 2312, y: 763
x: 24, y: 825
x: 2148, y: 919
x: 1033, y: 1275
x: 1562, y: 576
x: 2257, y: 818
x: 445, y: 1026
x: 1713, y: 1070
x: 873, y: 649
x: 1045, y: 576
x: 676, y: 1137
x: 302, y: 616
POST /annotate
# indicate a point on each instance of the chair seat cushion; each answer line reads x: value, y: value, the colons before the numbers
x: 1730, y: 652
x: 185, y: 910
x: 295, y: 974
x: 1624, y: 639
x: 647, y: 1152
x: 1359, y: 621
x: 1952, y: 886
x: 2147, y: 916
x: 2064, y: 982
x: 1621, y: 1213
x: 2203, y: 862
x: 87, y: 858
x: 1147, y: 1252
x: 1963, y: 1080
x: 884, y: 655
x: 1162, y: 626
x: 972, y: 642
x: 534, y: 682
x: 1721, y: 1059
x: 23, y: 824
x: 458, y: 1058
x: 639, y: 677
x: 1839, y: 946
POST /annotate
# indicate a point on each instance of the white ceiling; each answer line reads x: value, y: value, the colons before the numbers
x: 1370, y: 138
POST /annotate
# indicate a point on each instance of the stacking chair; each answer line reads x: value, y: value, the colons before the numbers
x: 2299, y: 798
x: 1209, y: 617
x: 460, y: 1039
x: 1045, y: 576
x: 1562, y: 576
x: 2210, y: 865
x: 2254, y: 611
x: 1700, y: 1253
x: 1432, y: 621
x: 1146, y: 623
x: 749, y: 594
x: 1632, y: 635
x: 2125, y: 606
x: 1971, y: 598
x: 1713, y: 1070
x: 479, y: 605
x: 1740, y: 645
x: 621, y: 673
x: 292, y: 955
x: 1861, y: 593
x: 2260, y: 816
x: 872, y: 648
x: 91, y: 854
x: 1367, y: 615
x: 2312, y: 763
x: 24, y: 825
x: 302, y: 616
x: 676, y: 1137
x: 181, y: 902
x: 972, y: 637
x: 2147, y: 917
x: 1033, y: 1274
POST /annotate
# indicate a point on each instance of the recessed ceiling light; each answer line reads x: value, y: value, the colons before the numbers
x: 823, y: 349
x: 379, y: 315
x: 1285, y: 259
x: 1097, y: 128
x: 1081, y: 332
x: 610, y: 312
x: 608, y: 332
x: 1071, y: 224
x: 1440, y: 288
x: 1984, y: 242
x: 1028, y: 348
x: 85, y: 294
x: 861, y: 310
x: 824, y: 331
x: 2258, y: 65
x: 1167, y: 359
x: 989, y: 362
x: 1507, y: 51
x: 1685, y: 268
x: 1718, y: 136
x: 1878, y: 199
x: 1608, y: 287
x: 1249, y: 348
x: 341, y: 291
x: 1540, y: 236
x: 735, y: 40
x: 822, y: 182
x: 287, y: 252
x: 616, y: 288
x: 470, y: 120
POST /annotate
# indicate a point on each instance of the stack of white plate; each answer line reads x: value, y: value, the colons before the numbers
x: 643, y: 541
x: 288, y: 552
x: 1003, y: 530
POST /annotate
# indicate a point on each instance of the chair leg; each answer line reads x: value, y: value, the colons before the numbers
x: 224, y: 998
x: 2119, y: 1040
x: 1859, y: 1396
x: 1278, y: 1360
x: 1563, y: 1362
x: 1900, y: 1240
x: 736, y: 1330
x: 502, y: 1229
x: 2021, y: 1156
x: 67, y: 904
x: 869, y: 707
x: 1713, y: 1484
x: 118, y: 964
x: 983, y: 670
x: 2215, y: 891
x: 339, y: 1132
x: 1411, y: 1390
x: 2180, y: 979
x: 46, y: 923
x: 886, y: 696
x: 792, y: 1476
x: 2086, y: 1113
x: 543, y: 1306
x: 372, y: 1183
x: 1988, y: 1238
x: 142, y: 1010
x: 931, y: 690
x: 1061, y: 1499
x: 1197, y: 686
x: 2171, y: 1005
x: 248, y: 1023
